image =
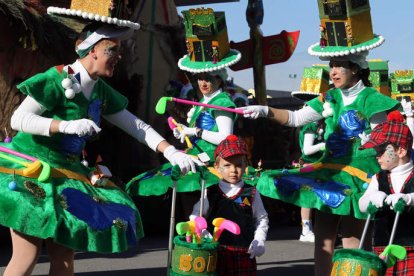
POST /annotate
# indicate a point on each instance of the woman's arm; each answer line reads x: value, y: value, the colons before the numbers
x: 224, y: 122
x: 138, y: 129
x: 308, y: 147
x: 26, y: 118
x: 282, y: 116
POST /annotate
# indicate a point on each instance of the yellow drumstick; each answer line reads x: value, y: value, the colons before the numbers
x: 187, y: 140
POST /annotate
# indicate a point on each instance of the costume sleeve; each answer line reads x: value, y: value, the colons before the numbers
x: 135, y: 127
x: 303, y: 116
x: 44, y: 88
x: 225, y: 128
x: 261, y: 217
x: 308, y: 147
x: 26, y: 118
x: 364, y: 200
x: 376, y: 102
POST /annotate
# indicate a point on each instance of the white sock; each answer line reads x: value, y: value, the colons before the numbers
x: 306, y: 227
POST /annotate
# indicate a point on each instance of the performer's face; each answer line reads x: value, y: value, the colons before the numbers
x: 388, y: 156
x: 231, y: 168
x: 343, y: 76
x: 108, y: 53
x: 207, y: 83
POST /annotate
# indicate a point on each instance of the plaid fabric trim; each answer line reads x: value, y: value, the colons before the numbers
x: 235, y: 261
x: 403, y: 267
x: 390, y: 132
x: 230, y: 146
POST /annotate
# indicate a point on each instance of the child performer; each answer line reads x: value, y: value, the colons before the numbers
x: 234, y: 200
x: 392, y: 141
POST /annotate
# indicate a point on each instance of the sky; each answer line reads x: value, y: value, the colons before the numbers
x: 393, y: 19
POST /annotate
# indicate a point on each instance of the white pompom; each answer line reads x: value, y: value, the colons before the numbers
x: 67, y: 83
x: 326, y: 105
x: 69, y: 93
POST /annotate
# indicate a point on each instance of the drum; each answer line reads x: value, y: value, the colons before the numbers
x: 357, y: 262
x: 193, y: 258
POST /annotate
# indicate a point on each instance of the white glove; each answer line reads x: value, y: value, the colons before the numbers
x: 377, y: 198
x: 184, y: 161
x: 187, y: 131
x: 407, y: 107
x: 256, y: 249
x: 80, y: 127
x: 176, y: 133
x: 254, y: 111
x: 364, y: 137
x: 392, y: 199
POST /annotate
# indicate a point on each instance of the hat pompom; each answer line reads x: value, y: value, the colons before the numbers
x: 395, y: 116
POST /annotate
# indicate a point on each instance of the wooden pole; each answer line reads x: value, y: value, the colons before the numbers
x: 254, y: 17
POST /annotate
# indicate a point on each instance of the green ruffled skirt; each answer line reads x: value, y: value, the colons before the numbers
x: 68, y: 210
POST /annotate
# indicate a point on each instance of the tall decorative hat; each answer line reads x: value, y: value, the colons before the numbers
x: 315, y: 81
x: 116, y: 12
x: 402, y: 84
x: 207, y: 42
x: 345, y: 28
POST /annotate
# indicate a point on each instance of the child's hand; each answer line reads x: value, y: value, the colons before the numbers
x: 256, y: 249
x: 377, y: 198
x: 393, y: 199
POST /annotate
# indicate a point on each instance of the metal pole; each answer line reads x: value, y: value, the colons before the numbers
x: 172, y: 222
x: 394, y: 228
x: 364, y: 233
x: 203, y: 193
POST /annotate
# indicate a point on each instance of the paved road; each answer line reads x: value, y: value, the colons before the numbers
x: 285, y: 255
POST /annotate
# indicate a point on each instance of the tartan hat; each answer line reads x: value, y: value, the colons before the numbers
x: 392, y: 132
x: 231, y: 146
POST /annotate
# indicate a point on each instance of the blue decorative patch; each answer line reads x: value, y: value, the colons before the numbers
x: 238, y: 200
x: 100, y: 215
x: 350, y: 125
x: 331, y: 193
x: 94, y: 111
x: 205, y: 121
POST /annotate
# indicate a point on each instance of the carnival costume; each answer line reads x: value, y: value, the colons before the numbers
x: 239, y: 203
x: 335, y: 183
x: 396, y: 184
x: 198, y: 60
x: 66, y: 207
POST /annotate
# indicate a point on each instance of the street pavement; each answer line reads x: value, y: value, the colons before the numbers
x: 285, y: 255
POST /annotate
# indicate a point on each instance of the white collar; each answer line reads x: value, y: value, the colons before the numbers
x: 403, y: 169
x: 230, y: 189
x: 86, y: 79
x: 207, y: 98
x: 354, y: 90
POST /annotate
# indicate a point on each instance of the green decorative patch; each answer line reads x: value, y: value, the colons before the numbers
x: 62, y: 201
x: 35, y: 189
x: 120, y: 223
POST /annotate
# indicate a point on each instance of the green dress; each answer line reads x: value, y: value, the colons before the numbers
x: 66, y: 207
x: 157, y: 181
x: 336, y: 182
